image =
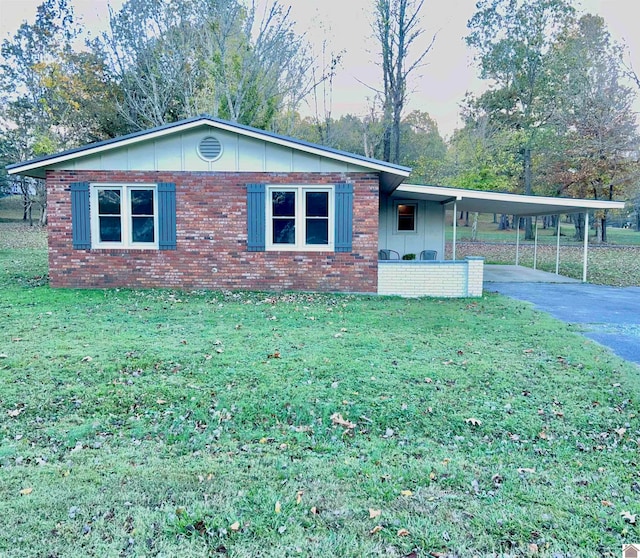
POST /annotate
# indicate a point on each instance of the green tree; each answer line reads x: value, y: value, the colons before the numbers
x: 513, y: 39
x: 596, y: 124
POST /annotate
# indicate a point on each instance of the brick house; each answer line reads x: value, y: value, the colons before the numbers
x: 204, y: 203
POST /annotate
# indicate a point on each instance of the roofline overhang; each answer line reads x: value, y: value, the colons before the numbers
x: 520, y: 205
x: 395, y: 173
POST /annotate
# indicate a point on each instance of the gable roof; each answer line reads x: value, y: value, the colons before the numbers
x: 391, y: 176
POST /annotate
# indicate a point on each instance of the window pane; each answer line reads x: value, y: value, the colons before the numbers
x: 284, y: 231
x: 406, y: 217
x: 284, y: 204
x: 142, y: 229
x: 109, y: 202
x: 142, y: 202
x: 317, y: 231
x: 317, y: 204
x: 110, y: 229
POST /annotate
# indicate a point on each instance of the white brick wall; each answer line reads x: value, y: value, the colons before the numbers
x: 447, y: 279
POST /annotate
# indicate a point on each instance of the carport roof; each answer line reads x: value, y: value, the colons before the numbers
x: 497, y: 202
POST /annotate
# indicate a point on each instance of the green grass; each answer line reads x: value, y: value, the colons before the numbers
x: 488, y: 232
x: 617, y: 263
x: 166, y: 423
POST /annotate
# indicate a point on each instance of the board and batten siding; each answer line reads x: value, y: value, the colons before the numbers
x: 429, y: 222
x: 179, y: 152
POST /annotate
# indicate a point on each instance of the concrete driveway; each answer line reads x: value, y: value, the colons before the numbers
x: 610, y: 315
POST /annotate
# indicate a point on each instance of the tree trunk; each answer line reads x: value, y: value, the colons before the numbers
x: 474, y: 227
x: 44, y: 218
x: 578, y: 221
x: 504, y: 223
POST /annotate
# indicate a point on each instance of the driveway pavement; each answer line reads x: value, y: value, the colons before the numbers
x: 610, y: 315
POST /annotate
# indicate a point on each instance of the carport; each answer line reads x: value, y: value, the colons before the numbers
x: 459, y: 199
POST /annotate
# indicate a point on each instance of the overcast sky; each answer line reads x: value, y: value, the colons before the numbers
x: 438, y: 88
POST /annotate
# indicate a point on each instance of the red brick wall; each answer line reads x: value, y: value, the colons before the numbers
x: 212, y: 238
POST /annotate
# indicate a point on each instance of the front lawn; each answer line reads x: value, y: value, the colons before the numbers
x: 161, y: 423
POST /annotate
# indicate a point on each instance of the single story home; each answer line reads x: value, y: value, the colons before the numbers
x: 207, y: 204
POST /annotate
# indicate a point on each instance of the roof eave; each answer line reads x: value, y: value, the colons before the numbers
x: 37, y: 167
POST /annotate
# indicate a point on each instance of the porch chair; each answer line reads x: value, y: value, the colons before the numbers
x: 429, y: 255
x: 388, y: 255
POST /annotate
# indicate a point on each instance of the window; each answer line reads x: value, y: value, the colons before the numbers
x: 299, y: 218
x: 124, y: 216
x: 406, y: 217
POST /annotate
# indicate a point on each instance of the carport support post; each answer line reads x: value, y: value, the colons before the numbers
x: 535, y: 247
x: 586, y: 246
x: 558, y: 246
x: 455, y: 220
x: 517, y: 239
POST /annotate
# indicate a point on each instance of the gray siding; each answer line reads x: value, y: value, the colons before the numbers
x: 429, y: 224
x: 179, y: 152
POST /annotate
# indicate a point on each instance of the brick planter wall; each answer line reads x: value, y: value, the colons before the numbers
x: 450, y: 279
x: 212, y: 238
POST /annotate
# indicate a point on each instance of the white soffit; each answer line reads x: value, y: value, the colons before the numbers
x: 497, y: 202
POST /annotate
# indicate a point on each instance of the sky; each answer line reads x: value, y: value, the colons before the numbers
x: 437, y: 88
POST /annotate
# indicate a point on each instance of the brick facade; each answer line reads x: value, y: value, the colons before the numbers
x: 212, y: 238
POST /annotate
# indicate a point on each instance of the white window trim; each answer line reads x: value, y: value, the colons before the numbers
x: 396, y: 206
x: 300, y: 217
x: 126, y: 242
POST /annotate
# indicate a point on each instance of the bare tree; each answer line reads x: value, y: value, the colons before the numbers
x: 397, y: 28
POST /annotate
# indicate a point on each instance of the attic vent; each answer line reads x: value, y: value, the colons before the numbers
x: 210, y: 148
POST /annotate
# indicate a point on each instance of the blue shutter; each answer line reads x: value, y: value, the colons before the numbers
x: 344, y: 217
x: 166, y: 216
x: 80, y: 216
x: 256, y: 219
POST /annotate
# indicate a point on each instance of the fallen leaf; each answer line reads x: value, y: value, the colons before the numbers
x: 403, y: 533
x: 606, y: 503
x: 314, y: 510
x: 235, y: 526
x: 406, y: 493
x: 13, y: 413
x: 299, y: 496
x: 628, y: 516
x: 533, y: 548
x: 275, y: 354
x: 527, y: 351
x: 219, y: 350
x: 337, y: 419
x: 525, y: 470
x: 620, y: 431
x: 543, y: 435
x: 375, y: 530
x: 26, y: 491
x: 16, y: 339
x: 87, y: 359
x: 374, y: 513
x: 160, y: 401
x: 428, y: 380
x: 278, y: 507
x: 473, y: 421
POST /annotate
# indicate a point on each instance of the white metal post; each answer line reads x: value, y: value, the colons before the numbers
x: 517, y: 219
x: 558, y: 247
x: 455, y: 222
x: 586, y: 246
x: 535, y: 246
